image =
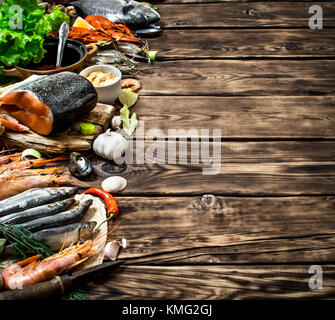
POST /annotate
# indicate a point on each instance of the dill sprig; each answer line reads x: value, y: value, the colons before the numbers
x: 76, y: 294
x: 22, y: 239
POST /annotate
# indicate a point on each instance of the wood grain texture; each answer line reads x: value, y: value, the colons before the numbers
x: 258, y: 169
x: 243, y: 14
x: 272, y: 117
x: 226, y: 230
x: 212, y: 282
x: 239, y: 77
x: 265, y: 43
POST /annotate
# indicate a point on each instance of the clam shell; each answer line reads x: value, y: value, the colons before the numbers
x: 114, y: 184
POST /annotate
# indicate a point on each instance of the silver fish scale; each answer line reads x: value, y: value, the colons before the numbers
x: 67, y: 94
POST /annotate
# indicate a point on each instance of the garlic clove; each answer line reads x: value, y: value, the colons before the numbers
x: 112, y: 250
x: 116, y: 123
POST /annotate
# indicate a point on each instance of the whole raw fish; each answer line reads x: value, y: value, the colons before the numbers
x: 134, y: 14
x: 57, y: 220
x: 37, y: 212
x: 56, y: 238
x: 35, y: 197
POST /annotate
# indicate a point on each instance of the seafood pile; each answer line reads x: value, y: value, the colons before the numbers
x: 133, y: 13
x: 102, y: 30
x: 49, y: 213
x: 54, y: 218
x: 118, y: 45
x: 33, y: 270
x: 18, y: 175
x: 60, y: 221
x: 44, y: 220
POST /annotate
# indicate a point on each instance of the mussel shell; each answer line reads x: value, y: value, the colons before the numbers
x: 80, y: 166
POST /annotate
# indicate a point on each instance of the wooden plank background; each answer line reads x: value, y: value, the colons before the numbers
x: 255, y: 71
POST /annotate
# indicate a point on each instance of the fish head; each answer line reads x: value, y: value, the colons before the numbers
x: 86, y: 230
x: 140, y: 14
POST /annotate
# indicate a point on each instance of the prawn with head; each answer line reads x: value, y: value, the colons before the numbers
x: 32, y: 270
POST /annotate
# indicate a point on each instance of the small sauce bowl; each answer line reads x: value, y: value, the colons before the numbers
x: 109, y: 93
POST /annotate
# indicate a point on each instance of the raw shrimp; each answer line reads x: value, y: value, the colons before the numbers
x: 10, y: 158
x: 27, y: 164
x: 12, y: 187
x: 18, y: 173
x: 31, y: 270
x: 134, y: 84
x: 9, y: 125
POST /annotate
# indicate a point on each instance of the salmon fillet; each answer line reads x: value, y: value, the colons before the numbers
x: 49, y: 103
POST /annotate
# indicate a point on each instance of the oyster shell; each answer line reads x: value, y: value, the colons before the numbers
x: 114, y: 184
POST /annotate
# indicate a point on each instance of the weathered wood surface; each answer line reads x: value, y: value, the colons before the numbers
x: 272, y: 217
x: 64, y: 142
x: 229, y: 168
x: 239, y: 77
x: 226, y: 230
x: 244, y: 14
x: 246, y: 43
x: 257, y: 72
x: 213, y: 282
x: 255, y: 117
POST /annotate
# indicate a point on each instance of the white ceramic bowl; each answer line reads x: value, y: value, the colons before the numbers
x: 109, y: 93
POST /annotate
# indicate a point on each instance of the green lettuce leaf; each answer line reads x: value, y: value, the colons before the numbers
x: 24, y: 43
x: 56, y: 18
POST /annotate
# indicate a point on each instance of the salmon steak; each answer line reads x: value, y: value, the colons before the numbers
x: 47, y: 104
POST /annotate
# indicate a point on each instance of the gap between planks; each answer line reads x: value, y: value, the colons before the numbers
x: 239, y: 78
x: 254, y: 169
x: 243, y: 14
x: 245, y: 44
x: 212, y: 282
x: 226, y: 230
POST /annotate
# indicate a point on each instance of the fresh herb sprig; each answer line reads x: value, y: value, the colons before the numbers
x: 22, y: 239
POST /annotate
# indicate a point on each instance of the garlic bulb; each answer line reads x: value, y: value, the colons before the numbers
x: 110, y: 145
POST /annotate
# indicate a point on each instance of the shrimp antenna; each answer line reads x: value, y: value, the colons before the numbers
x: 107, y: 233
x: 63, y: 243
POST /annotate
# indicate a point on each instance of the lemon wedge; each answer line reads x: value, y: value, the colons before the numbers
x: 81, y: 23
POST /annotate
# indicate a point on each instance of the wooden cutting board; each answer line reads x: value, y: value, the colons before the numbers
x: 65, y: 142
